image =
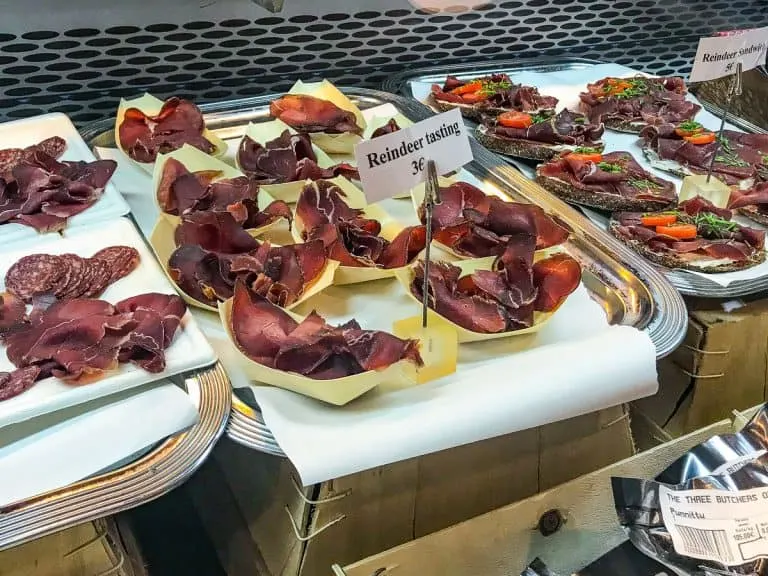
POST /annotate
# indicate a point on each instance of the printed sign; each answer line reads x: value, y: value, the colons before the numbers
x: 727, y: 527
x: 397, y: 162
x: 717, y: 57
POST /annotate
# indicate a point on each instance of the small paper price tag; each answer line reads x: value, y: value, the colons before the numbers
x: 717, y: 57
x: 390, y: 164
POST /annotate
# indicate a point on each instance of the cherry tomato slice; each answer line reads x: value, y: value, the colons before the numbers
x: 700, y: 139
x: 680, y: 231
x: 653, y: 220
x: 515, y: 119
x: 586, y: 157
x: 468, y: 88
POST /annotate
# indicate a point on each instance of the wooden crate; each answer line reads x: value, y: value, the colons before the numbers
x: 263, y: 524
x: 91, y: 549
x: 720, y: 367
x: 503, y: 542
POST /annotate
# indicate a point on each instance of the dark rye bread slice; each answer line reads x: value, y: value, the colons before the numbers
x: 520, y: 148
x: 598, y: 199
x: 673, y: 260
x: 754, y: 214
x: 473, y: 111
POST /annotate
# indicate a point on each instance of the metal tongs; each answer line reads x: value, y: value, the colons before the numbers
x: 734, y: 90
x: 431, y: 199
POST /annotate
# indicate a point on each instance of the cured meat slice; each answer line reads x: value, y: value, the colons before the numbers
x: 78, y: 340
x: 121, y: 260
x: 215, y: 232
x: 20, y: 380
x: 181, y: 192
x: 348, y: 236
x: 388, y: 128
x: 99, y: 277
x: 324, y: 202
x: 473, y: 224
x: 313, y: 348
x: 504, y: 298
x: 179, y: 122
x: 629, y: 104
x: 309, y: 114
x: 12, y: 311
x: 41, y: 192
x: 616, y: 182
x: 277, y: 161
x: 33, y: 274
x: 556, y: 277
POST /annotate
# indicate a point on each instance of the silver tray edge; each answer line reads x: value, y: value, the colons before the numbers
x: 149, y: 477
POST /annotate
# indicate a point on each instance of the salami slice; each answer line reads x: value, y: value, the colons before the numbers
x: 69, y: 266
x: 9, y: 158
x: 99, y: 278
x: 33, y: 274
x: 121, y: 260
x: 53, y: 146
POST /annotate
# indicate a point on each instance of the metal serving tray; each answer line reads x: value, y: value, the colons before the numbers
x: 160, y: 470
x: 403, y: 83
x: 630, y: 290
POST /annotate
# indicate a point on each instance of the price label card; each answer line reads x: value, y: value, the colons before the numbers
x: 396, y: 162
x: 717, y: 57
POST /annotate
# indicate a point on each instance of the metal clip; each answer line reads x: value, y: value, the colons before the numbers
x: 333, y: 498
x: 735, y: 90
x: 309, y: 537
x: 707, y: 352
x: 431, y: 198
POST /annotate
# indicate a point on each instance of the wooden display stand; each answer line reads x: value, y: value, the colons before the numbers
x: 503, y: 542
x: 262, y: 523
x: 720, y: 367
x: 91, y: 549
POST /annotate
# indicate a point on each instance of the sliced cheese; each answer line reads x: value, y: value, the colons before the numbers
x: 439, y: 346
x: 716, y: 191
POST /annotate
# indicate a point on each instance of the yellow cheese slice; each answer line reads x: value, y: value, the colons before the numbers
x: 716, y: 191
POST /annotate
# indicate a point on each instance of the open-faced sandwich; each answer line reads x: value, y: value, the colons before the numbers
x: 752, y: 203
x: 613, y: 181
x: 492, y: 94
x: 688, y: 148
x: 630, y: 104
x: 539, y: 136
x: 695, y: 236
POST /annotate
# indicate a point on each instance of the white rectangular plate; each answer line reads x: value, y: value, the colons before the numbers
x: 23, y: 133
x: 189, y: 350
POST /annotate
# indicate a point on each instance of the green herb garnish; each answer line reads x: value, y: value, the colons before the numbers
x: 731, y: 160
x: 638, y: 87
x: 643, y: 183
x: 690, y: 126
x: 709, y: 224
x: 608, y: 167
x: 586, y: 150
x: 490, y: 87
x: 539, y: 118
x: 580, y: 120
x: 765, y: 159
x: 725, y: 144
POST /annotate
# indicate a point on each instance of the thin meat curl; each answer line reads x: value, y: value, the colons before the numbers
x: 309, y: 114
x: 312, y: 348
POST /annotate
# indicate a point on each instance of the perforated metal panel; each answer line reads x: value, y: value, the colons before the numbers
x: 84, y: 71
